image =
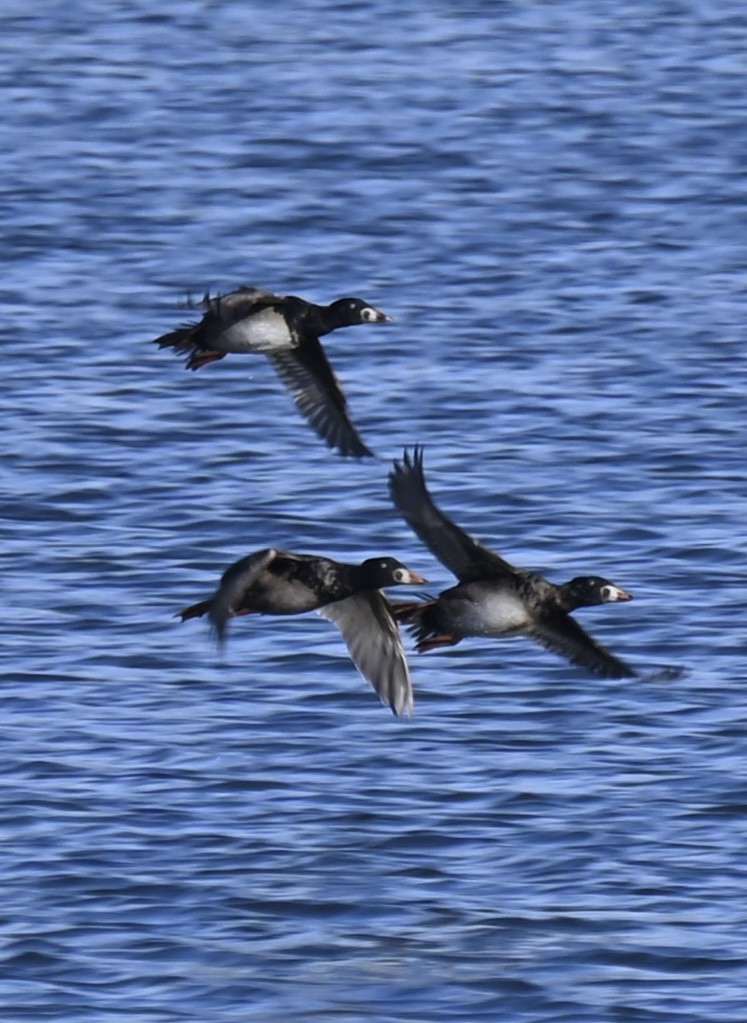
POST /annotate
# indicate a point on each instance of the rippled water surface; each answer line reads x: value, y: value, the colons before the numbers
x: 549, y: 200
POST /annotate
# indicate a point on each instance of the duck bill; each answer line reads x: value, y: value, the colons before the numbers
x: 415, y: 579
x: 378, y: 317
x: 617, y: 593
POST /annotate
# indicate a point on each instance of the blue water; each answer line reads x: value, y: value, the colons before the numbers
x: 550, y: 200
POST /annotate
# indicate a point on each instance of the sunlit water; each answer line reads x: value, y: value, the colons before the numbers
x: 549, y: 200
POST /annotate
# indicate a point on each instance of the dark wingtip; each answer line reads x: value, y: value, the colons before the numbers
x: 616, y: 670
x: 672, y: 673
x: 354, y: 450
x: 412, y: 462
x: 220, y: 630
x: 417, y: 458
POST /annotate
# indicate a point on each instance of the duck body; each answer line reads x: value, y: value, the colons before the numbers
x: 474, y: 609
x: 493, y: 597
x: 286, y: 329
x: 275, y: 582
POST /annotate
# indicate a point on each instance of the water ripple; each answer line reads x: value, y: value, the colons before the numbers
x: 543, y: 199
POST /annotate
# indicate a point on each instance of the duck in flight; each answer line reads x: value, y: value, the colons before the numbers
x: 492, y: 597
x: 287, y: 330
x: 276, y: 582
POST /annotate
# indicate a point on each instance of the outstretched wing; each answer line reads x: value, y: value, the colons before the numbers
x: 373, y: 641
x: 308, y: 376
x: 466, y: 557
x: 561, y: 633
x: 234, y: 584
x: 228, y: 309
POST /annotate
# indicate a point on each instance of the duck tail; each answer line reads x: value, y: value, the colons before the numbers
x: 422, y: 619
x: 181, y: 340
x: 195, y: 610
x: 184, y: 342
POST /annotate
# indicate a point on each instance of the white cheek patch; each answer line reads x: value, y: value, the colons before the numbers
x: 610, y: 593
x: 369, y: 315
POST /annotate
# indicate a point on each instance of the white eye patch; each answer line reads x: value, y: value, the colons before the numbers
x: 610, y: 593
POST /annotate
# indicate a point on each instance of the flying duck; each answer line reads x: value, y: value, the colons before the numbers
x: 287, y: 330
x: 278, y: 582
x: 494, y: 598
